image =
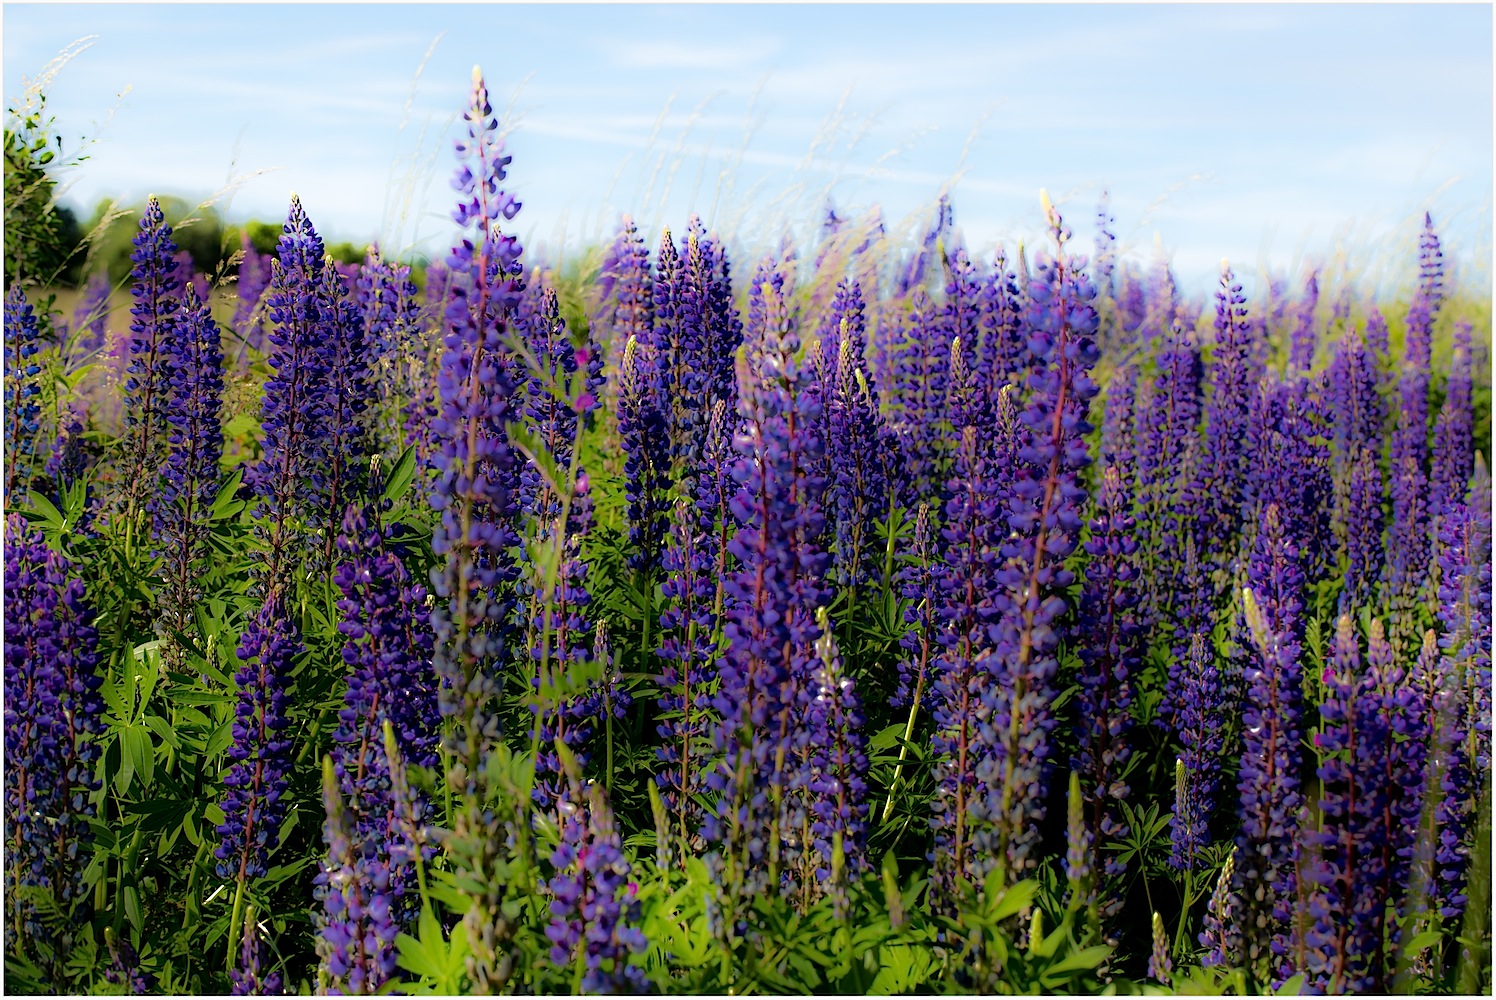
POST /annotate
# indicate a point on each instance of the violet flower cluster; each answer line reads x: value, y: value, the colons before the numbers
x: 561, y: 393
x: 964, y: 673
x: 1111, y: 652
x: 155, y: 281
x: 91, y: 315
x: 770, y: 622
x: 190, y: 480
x: 1363, y: 805
x: 53, y: 717
x: 1409, y: 541
x: 1045, y: 521
x: 356, y: 944
x: 22, y: 336
x: 304, y: 467
x: 1269, y: 779
x: 387, y: 650
x: 1167, y: 414
x: 476, y: 488
x: 594, y: 911
x: 1463, y: 703
x: 255, y: 786
x: 1231, y: 382
x: 837, y: 785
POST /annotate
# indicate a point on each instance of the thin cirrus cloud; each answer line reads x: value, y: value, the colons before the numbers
x: 1251, y: 131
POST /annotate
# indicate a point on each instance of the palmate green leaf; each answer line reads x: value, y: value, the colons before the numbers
x: 140, y: 753
x: 441, y: 964
x: 902, y: 968
x: 46, y: 515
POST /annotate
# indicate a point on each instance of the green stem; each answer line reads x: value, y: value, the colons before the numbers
x: 235, y: 929
x: 1184, y: 911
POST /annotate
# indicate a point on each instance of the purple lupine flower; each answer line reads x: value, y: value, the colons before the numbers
x: 1167, y: 416
x: 124, y: 967
x: 1160, y: 966
x: 69, y: 460
x: 715, y: 490
x: 561, y: 391
x: 1162, y: 302
x: 1402, y: 708
x: 475, y: 490
x: 1409, y: 550
x: 155, y: 281
x: 1454, y: 448
x: 1269, y: 779
x: 845, y: 317
x: 1232, y: 379
x: 917, y: 586
x: 1118, y: 424
x: 593, y: 906
x: 22, y: 331
x: 1132, y: 307
x: 1427, y: 298
x: 770, y: 624
x: 289, y: 476
x: 391, y: 333
x: 1111, y: 645
x: 1464, y: 700
x: 388, y: 651
x: 357, y: 928
x: 1305, y: 336
x: 255, y: 786
x: 1348, y: 898
x: 345, y: 397
x: 91, y: 315
x: 644, y: 433
x: 248, y: 978
x: 724, y: 329
x: 962, y: 674
x: 193, y: 396
x: 1356, y: 421
x: 1221, y: 935
x: 1353, y: 398
x: 858, y: 452
x: 679, y: 338
x: 53, y: 713
x: 625, y: 286
x: 918, y: 359
x: 964, y: 317
x: 254, y: 279
x: 1377, y: 339
x: 1001, y: 353
x: 1363, y: 526
x: 1045, y: 521
x: 187, y: 267
x: 1285, y: 431
x: 1419, y: 760
x: 1200, y: 715
x: 688, y: 627
x: 838, y: 769
x: 921, y: 261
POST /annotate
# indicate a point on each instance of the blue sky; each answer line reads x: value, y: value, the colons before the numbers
x: 1272, y: 135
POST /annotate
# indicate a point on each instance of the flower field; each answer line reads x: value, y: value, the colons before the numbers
x: 865, y: 619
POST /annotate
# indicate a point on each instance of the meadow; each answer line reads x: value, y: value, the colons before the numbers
x: 867, y: 618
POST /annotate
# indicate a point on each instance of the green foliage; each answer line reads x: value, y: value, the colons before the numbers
x: 197, y: 230
x: 41, y: 236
